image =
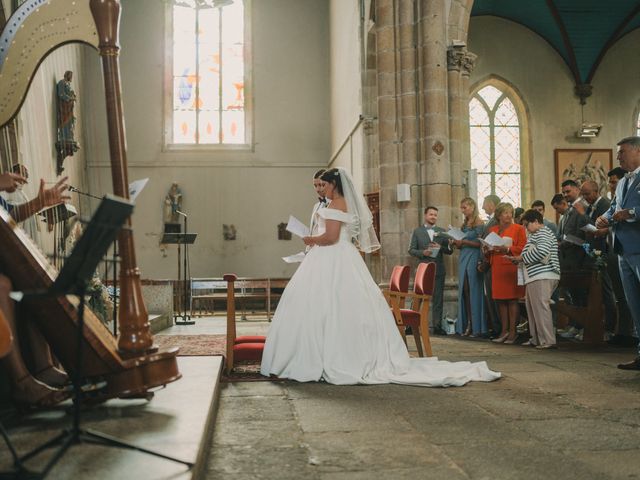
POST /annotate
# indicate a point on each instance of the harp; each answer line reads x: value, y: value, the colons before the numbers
x: 131, y: 365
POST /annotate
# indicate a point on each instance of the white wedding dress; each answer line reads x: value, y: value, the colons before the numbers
x: 333, y: 324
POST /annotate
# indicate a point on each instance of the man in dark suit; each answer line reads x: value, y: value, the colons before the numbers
x: 428, y: 245
x: 572, y: 256
x: 596, y: 206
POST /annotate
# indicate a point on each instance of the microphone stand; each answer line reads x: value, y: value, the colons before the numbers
x: 186, y: 318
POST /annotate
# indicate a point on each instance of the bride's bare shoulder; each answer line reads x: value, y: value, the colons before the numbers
x: 338, y: 204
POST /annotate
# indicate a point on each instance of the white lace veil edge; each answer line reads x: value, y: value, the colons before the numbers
x: 361, y: 230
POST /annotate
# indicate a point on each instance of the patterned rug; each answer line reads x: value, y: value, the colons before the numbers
x: 194, y: 345
x: 207, y: 345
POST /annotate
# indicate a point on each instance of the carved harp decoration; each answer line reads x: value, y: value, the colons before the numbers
x: 31, y: 33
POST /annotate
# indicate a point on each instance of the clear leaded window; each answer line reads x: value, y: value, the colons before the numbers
x: 495, y: 145
x: 209, y: 76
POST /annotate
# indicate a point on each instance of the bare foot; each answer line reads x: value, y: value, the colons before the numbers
x: 53, y: 376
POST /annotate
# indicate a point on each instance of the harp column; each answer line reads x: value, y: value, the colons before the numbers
x: 135, y: 335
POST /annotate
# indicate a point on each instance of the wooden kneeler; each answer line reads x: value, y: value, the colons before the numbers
x: 247, y: 348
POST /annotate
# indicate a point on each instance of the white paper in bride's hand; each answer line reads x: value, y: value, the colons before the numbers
x: 136, y: 187
x: 589, y: 228
x: 455, y: 233
x: 495, y: 240
x: 298, y: 228
x: 296, y: 258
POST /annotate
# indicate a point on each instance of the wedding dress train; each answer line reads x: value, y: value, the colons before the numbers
x: 333, y: 324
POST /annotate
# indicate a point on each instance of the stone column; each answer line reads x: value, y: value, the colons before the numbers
x: 460, y: 63
x: 435, y: 171
x: 397, y: 127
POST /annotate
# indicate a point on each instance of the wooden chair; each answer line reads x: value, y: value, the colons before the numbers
x: 417, y: 317
x: 247, y: 348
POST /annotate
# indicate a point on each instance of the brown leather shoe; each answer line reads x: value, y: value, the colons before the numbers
x: 633, y: 365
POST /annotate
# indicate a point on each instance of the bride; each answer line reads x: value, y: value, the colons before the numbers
x: 333, y: 323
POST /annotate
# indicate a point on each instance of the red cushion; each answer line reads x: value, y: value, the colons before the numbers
x: 410, y: 318
x: 248, y: 351
x: 251, y: 339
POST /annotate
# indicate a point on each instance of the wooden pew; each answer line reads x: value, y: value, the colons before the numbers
x: 206, y: 291
x: 591, y: 316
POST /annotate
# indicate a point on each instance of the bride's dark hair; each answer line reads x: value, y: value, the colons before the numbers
x: 333, y: 176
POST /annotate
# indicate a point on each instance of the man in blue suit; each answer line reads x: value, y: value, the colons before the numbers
x: 624, y: 216
x: 428, y: 245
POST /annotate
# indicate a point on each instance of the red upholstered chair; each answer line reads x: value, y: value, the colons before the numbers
x: 245, y: 348
x: 398, y: 290
x: 417, y: 317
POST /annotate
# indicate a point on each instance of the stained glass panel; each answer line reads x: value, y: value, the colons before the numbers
x: 209, y: 26
x: 495, y: 148
x: 209, y: 127
x: 508, y: 188
x: 507, y: 149
x: 209, y: 74
x: 184, y: 127
x: 209, y: 92
x: 184, y: 93
x: 233, y: 24
x: 478, y: 115
x: 490, y: 94
x: 506, y: 113
x: 484, y: 187
x: 481, y: 149
x: 232, y: 127
x: 233, y: 80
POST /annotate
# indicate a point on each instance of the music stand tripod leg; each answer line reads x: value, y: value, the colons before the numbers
x: 19, y: 471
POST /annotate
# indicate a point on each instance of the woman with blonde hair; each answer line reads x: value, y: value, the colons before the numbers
x: 506, y: 291
x: 471, y: 319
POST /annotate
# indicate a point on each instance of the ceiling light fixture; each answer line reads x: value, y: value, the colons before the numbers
x: 588, y: 130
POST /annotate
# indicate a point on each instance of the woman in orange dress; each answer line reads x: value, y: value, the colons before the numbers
x: 504, y: 274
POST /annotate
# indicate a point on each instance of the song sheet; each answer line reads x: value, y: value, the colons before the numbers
x: 298, y: 228
x: 295, y: 258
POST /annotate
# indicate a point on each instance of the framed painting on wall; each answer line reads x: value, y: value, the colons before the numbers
x: 583, y: 164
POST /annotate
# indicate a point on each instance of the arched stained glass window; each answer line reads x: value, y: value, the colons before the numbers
x: 209, y: 74
x: 495, y: 145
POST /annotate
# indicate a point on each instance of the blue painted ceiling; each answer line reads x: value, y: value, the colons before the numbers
x: 580, y: 30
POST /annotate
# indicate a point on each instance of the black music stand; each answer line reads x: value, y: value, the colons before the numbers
x: 185, y: 239
x: 73, y: 279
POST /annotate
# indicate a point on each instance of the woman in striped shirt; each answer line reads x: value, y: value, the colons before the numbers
x: 542, y: 273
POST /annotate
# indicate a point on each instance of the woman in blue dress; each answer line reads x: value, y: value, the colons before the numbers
x: 471, y: 319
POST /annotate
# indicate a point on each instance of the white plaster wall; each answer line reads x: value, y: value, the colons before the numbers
x: 345, y: 69
x: 534, y: 68
x: 253, y: 190
x: 346, y: 105
x: 37, y: 130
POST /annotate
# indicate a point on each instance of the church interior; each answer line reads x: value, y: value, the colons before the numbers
x: 211, y: 117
